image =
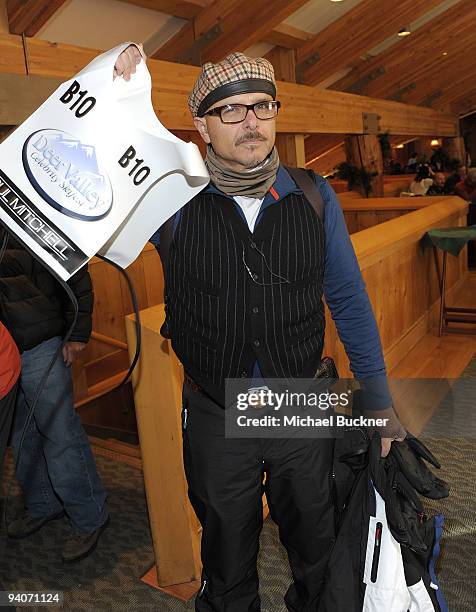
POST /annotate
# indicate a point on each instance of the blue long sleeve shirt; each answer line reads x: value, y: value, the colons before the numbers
x: 344, y: 289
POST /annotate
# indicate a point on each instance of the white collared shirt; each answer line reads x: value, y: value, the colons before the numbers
x: 250, y: 208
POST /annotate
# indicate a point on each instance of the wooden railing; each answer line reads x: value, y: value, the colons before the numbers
x: 401, y: 279
x: 109, y: 341
x: 362, y: 213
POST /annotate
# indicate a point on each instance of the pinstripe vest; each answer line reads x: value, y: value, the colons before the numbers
x: 234, y: 297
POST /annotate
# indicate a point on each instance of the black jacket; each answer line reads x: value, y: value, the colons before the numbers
x: 368, y: 569
x: 34, y: 306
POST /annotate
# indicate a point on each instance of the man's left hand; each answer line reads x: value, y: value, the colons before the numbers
x: 387, y: 443
x: 392, y: 430
x: 71, y: 351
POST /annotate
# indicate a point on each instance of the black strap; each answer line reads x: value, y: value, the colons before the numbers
x: 307, y: 185
x: 165, y: 240
x: 166, y: 236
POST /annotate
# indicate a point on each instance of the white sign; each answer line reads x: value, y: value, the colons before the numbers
x: 94, y: 171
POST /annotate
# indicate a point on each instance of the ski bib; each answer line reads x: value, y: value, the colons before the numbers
x: 94, y: 171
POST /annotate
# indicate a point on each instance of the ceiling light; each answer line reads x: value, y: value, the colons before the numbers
x: 336, y: 0
x: 445, y: 52
x: 404, y: 32
x: 435, y: 142
x: 400, y: 146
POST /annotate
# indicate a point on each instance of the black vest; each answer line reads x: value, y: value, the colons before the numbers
x: 234, y: 297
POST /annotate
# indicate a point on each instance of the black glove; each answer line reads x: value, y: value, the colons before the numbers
x: 409, y: 455
x: 403, y: 508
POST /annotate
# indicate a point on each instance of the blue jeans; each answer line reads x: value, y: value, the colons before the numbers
x: 56, y: 470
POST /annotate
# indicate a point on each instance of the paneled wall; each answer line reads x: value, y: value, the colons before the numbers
x: 112, y: 302
x: 401, y: 280
x: 361, y: 213
x: 392, y: 185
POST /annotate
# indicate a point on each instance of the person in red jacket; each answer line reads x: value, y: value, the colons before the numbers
x: 9, y: 373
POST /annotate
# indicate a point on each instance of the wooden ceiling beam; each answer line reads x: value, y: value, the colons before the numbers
x: 185, y: 9
x: 288, y: 36
x: 29, y: 17
x: 363, y: 27
x: 443, y: 87
x: 282, y: 35
x: 432, y: 73
x: 451, y: 97
x: 179, y: 47
x: 427, y: 83
x: 436, y: 77
x: 397, y: 68
x: 12, y: 57
x: 454, y: 91
x: 226, y: 26
x: 305, y: 109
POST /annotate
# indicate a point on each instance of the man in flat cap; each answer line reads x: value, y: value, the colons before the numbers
x: 247, y: 263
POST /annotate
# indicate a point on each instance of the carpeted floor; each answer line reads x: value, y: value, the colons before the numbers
x: 109, y: 579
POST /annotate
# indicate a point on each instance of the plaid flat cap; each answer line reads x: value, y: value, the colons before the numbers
x: 236, y: 74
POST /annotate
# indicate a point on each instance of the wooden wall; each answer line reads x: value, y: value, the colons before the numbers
x: 401, y: 280
x: 392, y: 185
x: 305, y: 109
x: 112, y: 302
x: 361, y: 213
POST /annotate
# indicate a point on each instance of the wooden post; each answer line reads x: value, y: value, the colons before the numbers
x: 157, y: 385
x: 291, y: 150
x: 364, y: 151
x: 4, y: 29
x: 290, y: 146
x: 455, y: 149
x: 80, y: 382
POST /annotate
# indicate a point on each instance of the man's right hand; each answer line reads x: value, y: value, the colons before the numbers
x: 126, y: 63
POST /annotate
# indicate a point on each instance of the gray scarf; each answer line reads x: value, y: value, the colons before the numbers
x: 253, y: 183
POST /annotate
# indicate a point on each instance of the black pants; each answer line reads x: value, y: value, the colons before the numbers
x: 7, y: 407
x: 225, y: 480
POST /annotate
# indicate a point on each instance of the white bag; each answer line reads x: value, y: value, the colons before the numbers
x: 94, y: 171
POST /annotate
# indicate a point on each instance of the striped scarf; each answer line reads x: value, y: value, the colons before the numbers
x: 253, y: 183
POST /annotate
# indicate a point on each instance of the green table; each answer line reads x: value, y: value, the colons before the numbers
x: 451, y: 240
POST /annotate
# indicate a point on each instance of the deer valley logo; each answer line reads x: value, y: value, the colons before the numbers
x: 67, y: 174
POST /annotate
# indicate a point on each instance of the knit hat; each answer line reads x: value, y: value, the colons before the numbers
x: 234, y: 75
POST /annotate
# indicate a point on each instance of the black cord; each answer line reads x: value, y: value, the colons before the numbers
x: 137, y: 317
x: 4, y: 244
